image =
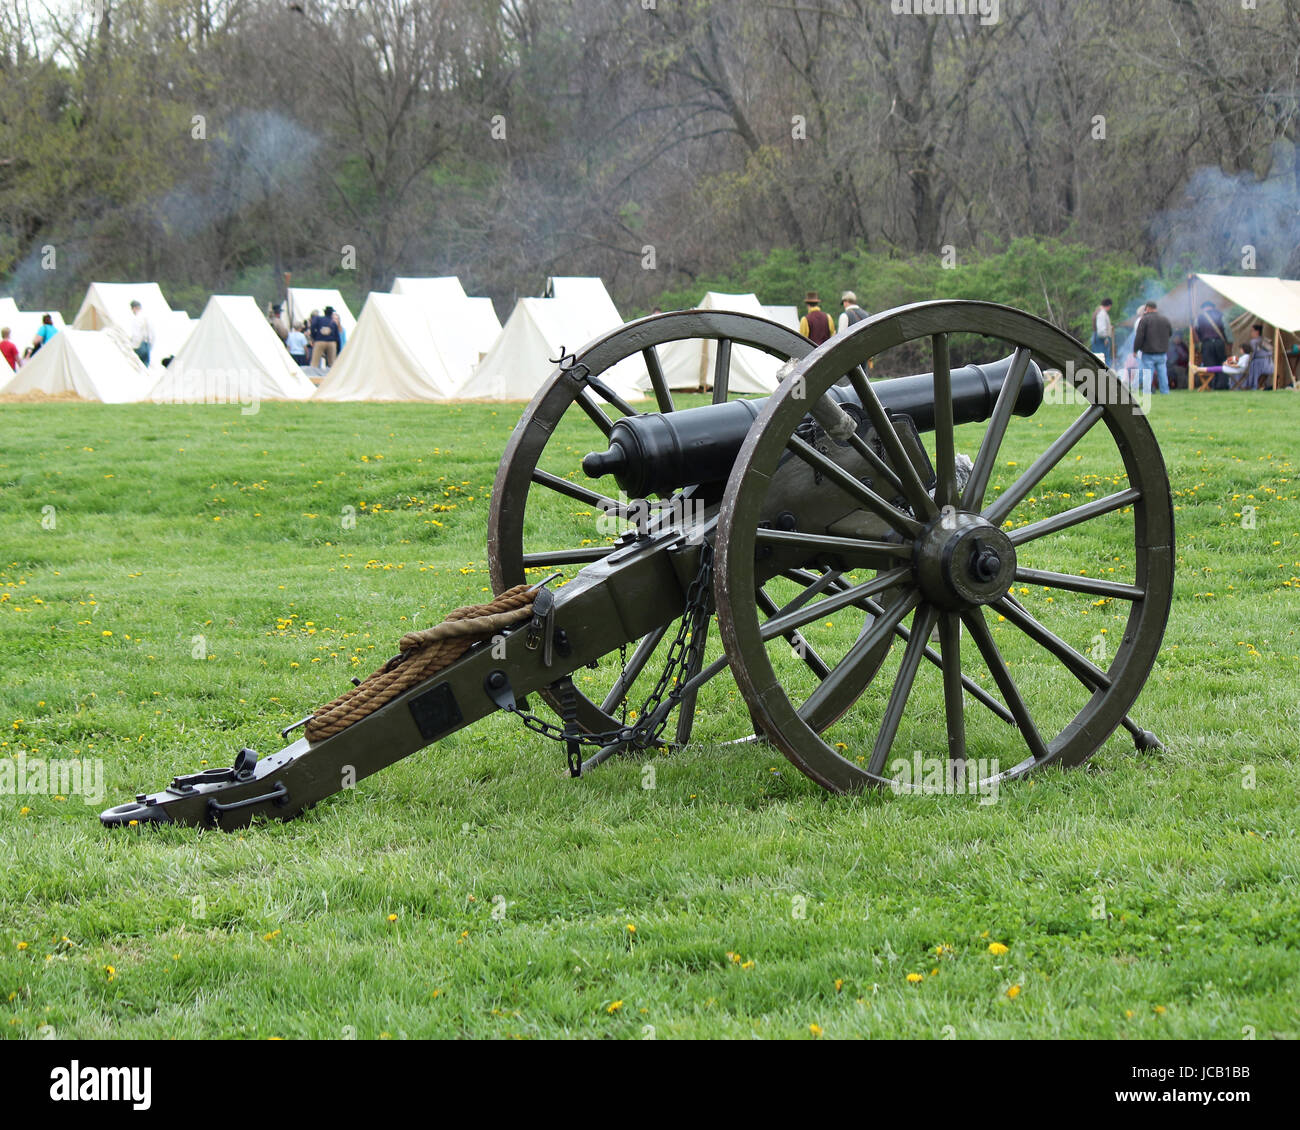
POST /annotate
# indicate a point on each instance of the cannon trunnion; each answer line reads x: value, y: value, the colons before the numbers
x: 876, y: 590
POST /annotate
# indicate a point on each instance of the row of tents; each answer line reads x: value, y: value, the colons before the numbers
x: 425, y: 340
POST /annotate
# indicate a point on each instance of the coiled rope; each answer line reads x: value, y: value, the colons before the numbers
x: 421, y: 655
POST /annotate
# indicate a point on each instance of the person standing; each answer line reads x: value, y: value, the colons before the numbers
x: 324, y: 338
x: 275, y: 315
x: 141, y: 333
x: 1212, y: 335
x: 853, y: 313
x: 1152, y: 347
x: 8, y: 349
x: 296, y: 344
x: 816, y: 325
x: 1103, y: 332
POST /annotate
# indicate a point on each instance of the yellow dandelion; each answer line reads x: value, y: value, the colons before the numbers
x: 112, y: 973
x: 1160, y: 1010
x: 997, y: 949
x: 816, y: 1030
x: 392, y: 918
x: 614, y: 1007
x: 915, y: 978
x: 22, y: 945
x: 1013, y: 992
x: 630, y: 928
x: 839, y: 984
x: 747, y: 964
x: 271, y: 936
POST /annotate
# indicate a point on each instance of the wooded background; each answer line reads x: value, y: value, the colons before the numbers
x: 665, y: 145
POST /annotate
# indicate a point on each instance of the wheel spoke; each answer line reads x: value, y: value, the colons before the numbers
x: 979, y: 630
x: 978, y: 483
x: 780, y: 625
x: 1009, y: 499
x: 910, y: 482
x: 874, y: 461
x: 1093, y: 586
x: 576, y: 556
x: 854, y: 671
x: 1072, y: 517
x: 1079, y: 665
x: 607, y: 394
x: 722, y: 371
x: 978, y: 693
x: 854, y: 487
x: 813, y: 586
x: 663, y: 394
x: 922, y: 626
x: 953, y: 704
x: 628, y: 676
x: 860, y: 552
x: 594, y: 412
x: 945, y: 450
x: 576, y: 491
x: 815, y: 663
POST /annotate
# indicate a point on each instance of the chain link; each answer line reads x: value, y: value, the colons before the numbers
x: 685, y: 659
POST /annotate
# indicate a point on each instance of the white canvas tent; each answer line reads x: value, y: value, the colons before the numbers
x: 690, y: 364
x: 452, y: 313
x: 233, y: 356
x: 533, y: 337
x: 788, y: 316
x: 587, y: 293
x: 1272, y: 301
x: 170, y: 335
x: 23, y: 324
x: 109, y: 304
x: 393, y: 355
x: 303, y: 300
x: 93, y: 364
x: 445, y: 288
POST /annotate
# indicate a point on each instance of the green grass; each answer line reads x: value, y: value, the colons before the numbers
x: 1141, y: 896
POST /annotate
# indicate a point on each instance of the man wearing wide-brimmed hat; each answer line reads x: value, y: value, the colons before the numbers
x: 816, y: 325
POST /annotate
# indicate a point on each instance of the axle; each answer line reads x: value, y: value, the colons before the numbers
x: 657, y: 453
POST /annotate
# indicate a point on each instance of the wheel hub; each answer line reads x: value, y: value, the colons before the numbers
x: 961, y: 560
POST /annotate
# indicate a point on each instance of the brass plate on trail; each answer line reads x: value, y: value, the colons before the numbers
x: 436, y: 712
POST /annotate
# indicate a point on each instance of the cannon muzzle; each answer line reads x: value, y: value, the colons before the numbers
x: 657, y: 453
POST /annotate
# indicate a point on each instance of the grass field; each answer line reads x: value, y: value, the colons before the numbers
x: 194, y: 588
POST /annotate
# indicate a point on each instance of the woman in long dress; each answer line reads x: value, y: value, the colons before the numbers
x: 1261, y: 360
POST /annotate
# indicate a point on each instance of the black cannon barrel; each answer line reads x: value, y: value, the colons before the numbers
x: 657, y: 453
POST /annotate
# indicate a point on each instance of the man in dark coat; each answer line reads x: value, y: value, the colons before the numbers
x: 1152, y: 347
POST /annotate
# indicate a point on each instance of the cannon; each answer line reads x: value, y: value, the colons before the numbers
x: 835, y: 534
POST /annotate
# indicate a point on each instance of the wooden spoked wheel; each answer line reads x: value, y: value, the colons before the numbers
x: 1045, y: 578
x: 546, y: 515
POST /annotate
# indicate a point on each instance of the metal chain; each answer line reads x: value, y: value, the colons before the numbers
x: 685, y: 656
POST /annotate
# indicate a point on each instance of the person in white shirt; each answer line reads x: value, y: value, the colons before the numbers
x: 141, y: 333
x: 296, y: 343
x: 853, y: 313
x: 1103, y: 333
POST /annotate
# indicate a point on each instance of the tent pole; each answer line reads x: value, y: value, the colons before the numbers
x: 1192, y: 382
x: 1278, y: 357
